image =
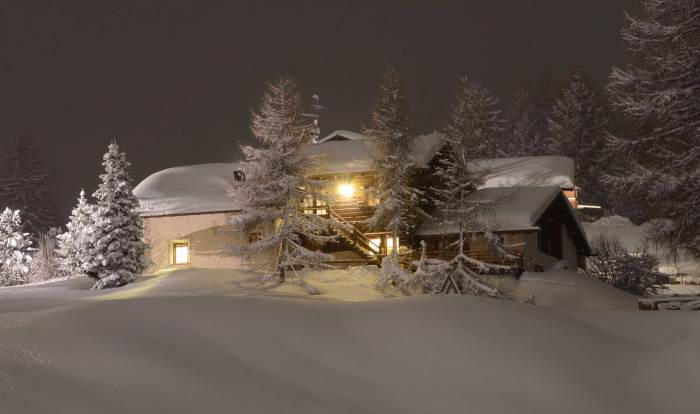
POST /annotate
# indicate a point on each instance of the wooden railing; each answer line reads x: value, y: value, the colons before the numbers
x: 355, y: 236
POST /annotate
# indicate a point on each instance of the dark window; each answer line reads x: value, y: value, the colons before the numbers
x: 253, y: 237
x: 238, y: 175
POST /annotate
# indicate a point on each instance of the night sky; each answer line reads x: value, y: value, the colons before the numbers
x: 174, y: 81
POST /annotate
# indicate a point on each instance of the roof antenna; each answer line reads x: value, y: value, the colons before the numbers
x: 315, y: 114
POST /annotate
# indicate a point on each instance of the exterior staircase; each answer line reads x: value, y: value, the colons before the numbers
x: 356, y: 239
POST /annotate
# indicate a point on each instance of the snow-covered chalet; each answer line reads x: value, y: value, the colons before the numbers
x: 187, y: 210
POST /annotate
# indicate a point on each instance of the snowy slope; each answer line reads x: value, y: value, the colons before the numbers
x: 178, y: 343
x: 568, y: 289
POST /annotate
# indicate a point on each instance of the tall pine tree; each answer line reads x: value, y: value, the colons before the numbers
x: 659, y: 93
x: 475, y: 119
x: 577, y: 129
x: 391, y: 127
x: 15, y: 249
x: 25, y: 185
x: 459, y: 176
x: 118, y: 252
x: 74, y: 244
x: 276, y: 183
x: 524, y: 131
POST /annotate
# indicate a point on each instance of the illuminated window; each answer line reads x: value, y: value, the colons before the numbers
x: 375, y: 243
x: 390, y: 244
x: 313, y: 205
x: 181, y: 252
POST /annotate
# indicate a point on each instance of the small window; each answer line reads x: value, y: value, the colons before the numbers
x: 238, y: 175
x: 253, y: 237
x: 181, y: 252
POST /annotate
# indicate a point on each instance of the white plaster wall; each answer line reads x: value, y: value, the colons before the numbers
x: 208, y: 235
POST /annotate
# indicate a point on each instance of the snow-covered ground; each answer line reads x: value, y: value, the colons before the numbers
x: 212, y: 341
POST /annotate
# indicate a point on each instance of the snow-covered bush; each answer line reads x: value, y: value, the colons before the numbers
x: 15, y: 249
x: 74, y: 244
x: 117, y: 253
x: 632, y: 272
x: 45, y: 263
x: 428, y: 276
x: 531, y: 299
x: 392, y: 274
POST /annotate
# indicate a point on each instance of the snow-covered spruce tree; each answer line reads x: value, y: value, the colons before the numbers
x: 117, y: 253
x: 659, y: 94
x: 275, y: 184
x: 459, y: 176
x: 45, y: 262
x: 613, y: 264
x: 15, y: 249
x: 74, y: 244
x: 391, y: 127
x: 524, y: 132
x: 577, y: 129
x: 25, y: 185
x: 475, y: 119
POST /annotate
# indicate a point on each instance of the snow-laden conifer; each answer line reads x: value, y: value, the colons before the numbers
x: 475, y: 119
x: 523, y: 133
x: 25, y: 185
x: 659, y: 93
x: 391, y: 127
x: 74, y: 244
x: 46, y: 263
x: 117, y: 253
x: 276, y: 182
x: 458, y: 176
x: 15, y: 249
x: 577, y: 129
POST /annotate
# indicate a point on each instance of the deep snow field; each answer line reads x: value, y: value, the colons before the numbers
x: 206, y: 341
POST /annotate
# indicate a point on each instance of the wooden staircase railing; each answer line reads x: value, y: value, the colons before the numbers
x: 356, y: 237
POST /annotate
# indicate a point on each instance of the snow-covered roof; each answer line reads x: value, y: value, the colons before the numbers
x: 202, y: 188
x: 355, y: 155
x: 349, y: 152
x: 528, y: 171
x: 343, y: 135
x: 504, y: 209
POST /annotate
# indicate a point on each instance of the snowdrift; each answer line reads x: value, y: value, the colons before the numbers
x: 178, y: 343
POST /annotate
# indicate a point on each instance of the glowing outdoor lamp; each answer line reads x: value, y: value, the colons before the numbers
x: 346, y: 190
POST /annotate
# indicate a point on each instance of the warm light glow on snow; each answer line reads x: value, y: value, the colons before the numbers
x: 346, y: 190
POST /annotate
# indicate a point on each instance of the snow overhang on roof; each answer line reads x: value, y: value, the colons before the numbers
x: 515, y: 209
x: 527, y: 171
x: 502, y: 209
x: 191, y: 189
